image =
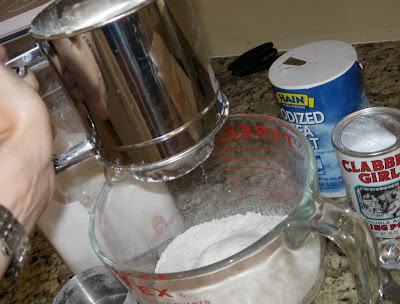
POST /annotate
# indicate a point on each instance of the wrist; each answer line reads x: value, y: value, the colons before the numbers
x: 14, y: 244
x: 18, y: 203
x: 25, y: 190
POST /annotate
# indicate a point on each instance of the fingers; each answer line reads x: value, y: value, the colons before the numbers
x: 31, y: 80
x: 53, y: 131
x: 3, y: 54
x: 17, y: 96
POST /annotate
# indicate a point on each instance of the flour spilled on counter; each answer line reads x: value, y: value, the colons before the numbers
x: 274, y: 274
x: 210, y: 242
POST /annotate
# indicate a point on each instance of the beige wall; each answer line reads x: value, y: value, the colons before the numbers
x: 231, y: 27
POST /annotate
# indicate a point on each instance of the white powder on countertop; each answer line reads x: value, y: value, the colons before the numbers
x: 210, y: 242
x: 274, y: 274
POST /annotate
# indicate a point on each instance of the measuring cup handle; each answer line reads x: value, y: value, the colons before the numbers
x: 352, y: 234
x: 73, y: 155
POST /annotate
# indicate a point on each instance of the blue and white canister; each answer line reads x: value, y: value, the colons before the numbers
x: 316, y: 85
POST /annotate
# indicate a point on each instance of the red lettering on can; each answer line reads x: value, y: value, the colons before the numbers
x: 389, y: 162
x: 377, y: 165
x: 345, y: 165
x: 383, y: 176
x: 365, y: 167
x: 365, y: 178
x: 394, y: 174
x: 353, y: 167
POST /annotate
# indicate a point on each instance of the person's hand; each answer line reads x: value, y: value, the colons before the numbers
x: 27, y: 179
x: 29, y: 78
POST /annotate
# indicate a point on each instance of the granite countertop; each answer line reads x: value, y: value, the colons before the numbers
x: 45, y: 273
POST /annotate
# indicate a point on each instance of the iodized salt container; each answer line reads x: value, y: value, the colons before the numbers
x: 316, y: 85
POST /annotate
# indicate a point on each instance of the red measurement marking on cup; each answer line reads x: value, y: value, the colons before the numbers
x: 269, y: 169
x: 234, y: 158
x: 229, y: 159
x: 273, y: 192
x: 226, y: 150
x: 233, y: 149
x: 263, y: 149
x: 242, y: 176
x: 268, y: 189
x: 223, y: 142
x: 272, y: 197
x: 276, y: 190
x: 289, y: 148
x: 160, y: 225
x: 264, y: 158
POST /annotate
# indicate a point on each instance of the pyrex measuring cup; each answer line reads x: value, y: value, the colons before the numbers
x: 260, y: 164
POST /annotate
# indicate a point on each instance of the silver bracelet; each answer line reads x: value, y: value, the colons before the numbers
x: 14, y: 242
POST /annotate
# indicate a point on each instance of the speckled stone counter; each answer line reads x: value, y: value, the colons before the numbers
x: 45, y: 273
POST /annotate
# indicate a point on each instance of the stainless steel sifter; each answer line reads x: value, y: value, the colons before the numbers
x: 146, y: 84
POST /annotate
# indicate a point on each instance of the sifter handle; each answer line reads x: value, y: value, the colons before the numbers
x: 73, y: 155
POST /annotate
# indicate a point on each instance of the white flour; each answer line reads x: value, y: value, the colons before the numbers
x: 210, y: 242
x: 274, y: 274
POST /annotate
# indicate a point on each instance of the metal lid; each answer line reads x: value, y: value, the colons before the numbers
x: 368, y: 132
x: 324, y: 62
x: 93, y: 286
x: 66, y: 18
x: 16, y: 16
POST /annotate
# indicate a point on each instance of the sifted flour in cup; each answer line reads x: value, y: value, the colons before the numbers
x: 275, y: 274
x: 210, y: 242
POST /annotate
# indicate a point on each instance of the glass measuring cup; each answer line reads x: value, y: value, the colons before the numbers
x: 260, y: 164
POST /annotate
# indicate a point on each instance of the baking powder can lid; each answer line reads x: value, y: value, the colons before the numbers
x: 368, y: 133
x: 320, y: 62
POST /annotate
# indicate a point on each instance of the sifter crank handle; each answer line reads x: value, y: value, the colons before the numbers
x: 73, y: 155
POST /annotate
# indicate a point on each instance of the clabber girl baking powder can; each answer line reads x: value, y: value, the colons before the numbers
x: 316, y: 85
x: 367, y: 144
